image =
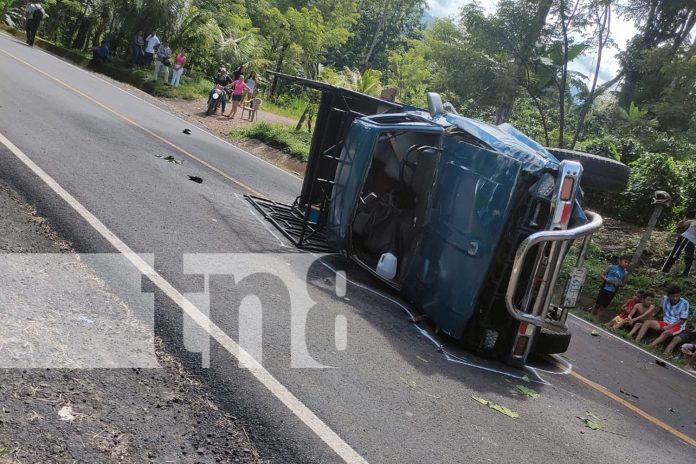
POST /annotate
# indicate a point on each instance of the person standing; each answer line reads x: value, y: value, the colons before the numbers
x: 253, y: 84
x: 614, y: 277
x: 238, y: 72
x: 151, y: 43
x: 164, y: 54
x: 690, y: 235
x: 138, y: 48
x: 239, y: 86
x: 179, y: 63
x: 686, y: 242
x: 35, y: 14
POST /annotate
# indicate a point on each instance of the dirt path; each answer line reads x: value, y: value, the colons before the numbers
x: 60, y: 415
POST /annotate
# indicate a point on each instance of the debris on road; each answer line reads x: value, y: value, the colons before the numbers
x: 170, y: 158
x: 86, y: 320
x: 594, y: 333
x: 410, y: 383
x: 196, y: 179
x: 660, y: 362
x: 496, y: 407
x: 527, y: 391
x: 592, y: 422
x: 187, y: 131
x: 66, y: 414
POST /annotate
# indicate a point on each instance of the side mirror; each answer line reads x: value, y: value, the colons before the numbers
x: 435, y: 105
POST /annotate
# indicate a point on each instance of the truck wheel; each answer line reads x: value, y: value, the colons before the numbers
x: 547, y: 342
x: 599, y: 174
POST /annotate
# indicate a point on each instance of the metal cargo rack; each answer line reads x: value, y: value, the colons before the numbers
x: 303, y: 221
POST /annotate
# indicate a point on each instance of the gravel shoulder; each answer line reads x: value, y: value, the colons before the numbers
x: 103, y: 415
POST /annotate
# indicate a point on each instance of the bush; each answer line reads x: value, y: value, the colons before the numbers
x: 630, y: 149
x: 649, y: 173
x: 284, y: 138
x: 687, y: 174
x: 604, y: 147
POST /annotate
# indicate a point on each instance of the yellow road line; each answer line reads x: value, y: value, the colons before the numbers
x: 135, y: 124
x: 628, y: 405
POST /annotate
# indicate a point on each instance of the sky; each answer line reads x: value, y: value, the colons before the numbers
x: 621, y: 32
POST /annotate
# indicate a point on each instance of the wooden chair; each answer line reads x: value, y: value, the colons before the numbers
x: 252, y: 107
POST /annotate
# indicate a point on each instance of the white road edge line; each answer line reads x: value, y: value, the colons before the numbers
x: 631, y: 344
x: 206, y: 131
x: 302, y: 412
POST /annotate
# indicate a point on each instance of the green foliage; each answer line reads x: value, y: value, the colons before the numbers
x: 649, y: 173
x: 687, y: 175
x: 384, y: 28
x: 368, y: 82
x: 604, y: 146
x: 287, y: 104
x: 294, y: 143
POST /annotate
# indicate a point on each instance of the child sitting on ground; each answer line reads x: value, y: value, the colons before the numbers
x: 686, y: 337
x: 641, y: 312
x: 676, y: 311
x: 626, y: 310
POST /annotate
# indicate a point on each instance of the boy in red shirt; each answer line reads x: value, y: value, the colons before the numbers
x: 626, y: 310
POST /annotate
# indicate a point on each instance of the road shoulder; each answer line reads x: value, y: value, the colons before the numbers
x: 105, y: 415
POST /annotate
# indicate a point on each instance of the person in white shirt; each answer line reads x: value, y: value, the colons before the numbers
x: 163, y: 60
x: 675, y: 313
x: 151, y: 43
x: 690, y: 235
x: 35, y: 13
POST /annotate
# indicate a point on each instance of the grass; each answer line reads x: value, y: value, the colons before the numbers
x: 292, y: 108
x: 284, y: 138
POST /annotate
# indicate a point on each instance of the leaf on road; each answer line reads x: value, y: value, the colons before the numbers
x: 170, y: 158
x: 496, y: 407
x: 527, y: 391
x: 592, y: 422
x: 410, y: 383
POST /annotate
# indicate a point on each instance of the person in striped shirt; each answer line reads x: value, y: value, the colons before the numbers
x: 675, y: 312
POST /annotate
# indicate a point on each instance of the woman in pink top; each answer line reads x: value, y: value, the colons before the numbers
x: 179, y: 63
x: 239, y: 86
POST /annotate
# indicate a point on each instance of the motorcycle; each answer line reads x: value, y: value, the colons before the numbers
x: 215, y: 98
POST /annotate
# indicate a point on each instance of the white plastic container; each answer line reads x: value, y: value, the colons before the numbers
x: 386, y: 267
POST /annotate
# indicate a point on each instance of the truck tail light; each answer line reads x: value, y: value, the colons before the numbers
x: 567, y: 189
x: 521, y: 345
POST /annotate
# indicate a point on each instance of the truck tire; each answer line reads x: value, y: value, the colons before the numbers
x: 547, y: 342
x: 599, y: 174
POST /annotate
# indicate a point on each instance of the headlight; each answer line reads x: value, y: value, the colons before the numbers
x: 546, y: 186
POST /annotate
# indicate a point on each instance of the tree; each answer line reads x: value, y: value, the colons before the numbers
x: 384, y: 26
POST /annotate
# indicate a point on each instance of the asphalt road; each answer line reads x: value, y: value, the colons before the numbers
x: 390, y: 395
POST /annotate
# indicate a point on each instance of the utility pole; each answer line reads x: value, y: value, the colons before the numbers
x: 660, y: 200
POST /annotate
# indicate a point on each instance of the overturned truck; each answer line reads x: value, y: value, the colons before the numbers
x: 467, y: 221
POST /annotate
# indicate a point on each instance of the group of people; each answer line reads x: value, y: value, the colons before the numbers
x: 237, y: 88
x: 674, y: 328
x: 640, y: 315
x: 144, y: 50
